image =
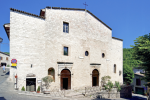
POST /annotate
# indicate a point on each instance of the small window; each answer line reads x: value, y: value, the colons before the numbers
x: 66, y: 51
x: 103, y: 55
x: 65, y: 27
x: 138, y: 82
x: 6, y: 58
x: 86, y: 53
x: 1, y: 58
x: 114, y: 68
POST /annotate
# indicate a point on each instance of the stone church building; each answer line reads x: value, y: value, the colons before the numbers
x: 70, y: 44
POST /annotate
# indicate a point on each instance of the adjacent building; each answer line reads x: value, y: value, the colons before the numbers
x: 70, y: 44
x: 4, y: 59
x: 138, y: 85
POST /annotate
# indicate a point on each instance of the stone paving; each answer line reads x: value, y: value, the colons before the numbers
x: 7, y: 92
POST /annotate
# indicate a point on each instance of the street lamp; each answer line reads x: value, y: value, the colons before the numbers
x: 1, y: 40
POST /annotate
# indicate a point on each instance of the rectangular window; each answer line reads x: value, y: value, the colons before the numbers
x: 1, y: 58
x: 65, y: 27
x: 6, y: 58
x: 138, y: 82
x: 66, y: 51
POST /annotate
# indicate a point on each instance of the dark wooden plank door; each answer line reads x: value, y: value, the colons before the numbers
x: 95, y: 78
x: 65, y: 79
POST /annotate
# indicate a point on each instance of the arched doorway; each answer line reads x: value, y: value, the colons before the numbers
x: 65, y: 79
x: 95, y: 78
x: 51, y: 72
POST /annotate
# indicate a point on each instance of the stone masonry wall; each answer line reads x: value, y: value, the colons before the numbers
x: 40, y: 43
x: 27, y: 45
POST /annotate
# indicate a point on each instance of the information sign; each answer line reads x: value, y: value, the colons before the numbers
x: 13, y: 64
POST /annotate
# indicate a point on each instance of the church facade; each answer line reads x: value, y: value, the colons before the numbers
x: 72, y: 45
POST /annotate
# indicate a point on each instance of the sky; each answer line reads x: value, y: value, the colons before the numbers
x: 128, y: 19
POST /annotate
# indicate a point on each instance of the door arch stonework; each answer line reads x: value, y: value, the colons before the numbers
x: 65, y: 79
x: 95, y: 77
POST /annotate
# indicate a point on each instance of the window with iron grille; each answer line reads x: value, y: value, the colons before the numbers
x: 65, y: 27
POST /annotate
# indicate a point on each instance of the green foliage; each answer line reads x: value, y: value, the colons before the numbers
x: 38, y: 89
x: 8, y: 66
x: 128, y: 74
x: 128, y: 58
x: 7, y: 53
x: 118, y: 86
x: 23, y: 89
x: 110, y: 85
x: 142, y: 53
x: 47, y: 80
x: 105, y: 79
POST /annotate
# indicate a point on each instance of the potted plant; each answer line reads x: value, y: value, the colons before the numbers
x: 38, y: 89
x: 23, y: 89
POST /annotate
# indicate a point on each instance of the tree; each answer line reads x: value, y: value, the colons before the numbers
x: 109, y: 86
x: 142, y: 53
x: 128, y: 74
x: 129, y: 59
x: 47, y: 80
x: 105, y: 79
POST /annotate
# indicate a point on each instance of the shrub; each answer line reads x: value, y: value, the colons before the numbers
x: 118, y: 86
x: 38, y: 89
x: 23, y: 89
x: 105, y: 79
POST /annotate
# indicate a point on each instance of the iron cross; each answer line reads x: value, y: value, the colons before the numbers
x: 85, y: 5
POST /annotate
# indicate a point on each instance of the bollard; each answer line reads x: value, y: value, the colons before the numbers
x: 85, y: 90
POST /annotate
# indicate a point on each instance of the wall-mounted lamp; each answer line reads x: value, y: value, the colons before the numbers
x: 120, y: 72
x: 58, y: 74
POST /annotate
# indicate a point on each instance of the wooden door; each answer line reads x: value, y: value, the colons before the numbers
x: 95, y: 78
x: 65, y: 79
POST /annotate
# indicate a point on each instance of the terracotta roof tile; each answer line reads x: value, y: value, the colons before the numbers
x: 26, y: 13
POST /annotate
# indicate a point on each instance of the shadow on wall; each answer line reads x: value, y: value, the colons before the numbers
x: 136, y: 98
x: 2, y: 98
x: 6, y: 74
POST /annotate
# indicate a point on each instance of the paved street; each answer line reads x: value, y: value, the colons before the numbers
x: 8, y: 93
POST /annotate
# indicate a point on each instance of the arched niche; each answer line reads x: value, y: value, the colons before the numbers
x: 51, y: 72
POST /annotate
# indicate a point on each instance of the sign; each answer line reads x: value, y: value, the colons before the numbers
x: 39, y: 81
x: 81, y: 57
x: 30, y: 75
x: 13, y: 61
x: 13, y: 64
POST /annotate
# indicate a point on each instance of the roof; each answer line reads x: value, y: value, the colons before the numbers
x: 7, y: 29
x: 4, y: 53
x: 12, y: 9
x: 117, y: 38
x: 139, y: 74
x: 80, y: 10
x: 42, y: 15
